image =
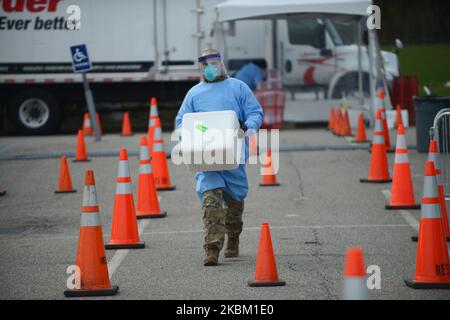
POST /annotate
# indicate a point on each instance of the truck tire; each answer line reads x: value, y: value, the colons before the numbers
x: 348, y: 85
x: 35, y: 112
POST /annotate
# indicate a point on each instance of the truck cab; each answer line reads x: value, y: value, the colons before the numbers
x: 313, y: 53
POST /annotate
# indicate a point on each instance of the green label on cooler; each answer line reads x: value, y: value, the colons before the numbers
x: 201, y: 127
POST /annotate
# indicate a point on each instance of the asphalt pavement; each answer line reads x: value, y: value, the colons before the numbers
x: 318, y: 212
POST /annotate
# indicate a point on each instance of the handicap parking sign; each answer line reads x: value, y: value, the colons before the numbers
x: 80, y: 58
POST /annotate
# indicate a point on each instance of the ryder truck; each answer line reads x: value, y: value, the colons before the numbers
x: 144, y: 48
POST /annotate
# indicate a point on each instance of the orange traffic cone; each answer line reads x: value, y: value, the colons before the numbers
x: 99, y: 123
x: 341, y: 126
x: 433, y: 155
x: 379, y: 170
x: 269, y: 178
x: 402, y: 193
x: 361, y: 136
x: 152, y: 122
x: 338, y: 123
x: 87, y: 126
x: 91, y: 257
x: 124, y: 230
x: 331, y: 120
x: 126, y: 125
x: 148, y: 203
x: 398, y: 117
x: 65, y: 182
x: 432, y: 261
x: 159, y: 161
x: 387, y: 139
x: 266, y: 274
x: 81, y: 154
x: 355, y: 283
x: 346, y: 128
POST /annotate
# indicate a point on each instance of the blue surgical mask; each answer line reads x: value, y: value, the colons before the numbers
x: 210, y: 72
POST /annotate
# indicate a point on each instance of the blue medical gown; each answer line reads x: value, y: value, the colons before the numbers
x: 230, y: 94
x: 250, y: 74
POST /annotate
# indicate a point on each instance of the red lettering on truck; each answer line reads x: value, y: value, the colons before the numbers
x: 30, y: 5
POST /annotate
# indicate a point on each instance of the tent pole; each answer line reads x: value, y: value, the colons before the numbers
x: 373, y: 75
x: 360, y: 75
x: 382, y: 70
x: 275, y: 43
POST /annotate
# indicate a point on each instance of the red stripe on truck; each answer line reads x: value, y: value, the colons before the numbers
x: 308, y: 77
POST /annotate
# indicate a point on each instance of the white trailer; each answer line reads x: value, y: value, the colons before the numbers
x: 139, y: 49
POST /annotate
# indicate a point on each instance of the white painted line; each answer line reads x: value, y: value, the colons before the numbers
x: 120, y: 255
x: 407, y: 216
x: 116, y: 260
x: 257, y: 228
x: 351, y: 140
x: 141, y: 227
x: 342, y: 226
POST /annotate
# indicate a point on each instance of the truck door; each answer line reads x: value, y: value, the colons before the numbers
x: 305, y: 54
x: 176, y: 37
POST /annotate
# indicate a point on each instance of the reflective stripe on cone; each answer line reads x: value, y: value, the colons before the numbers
x: 159, y: 162
x: 124, y: 229
x: 402, y: 192
x: 148, y: 203
x: 432, y: 261
x: 91, y: 256
x: 379, y: 171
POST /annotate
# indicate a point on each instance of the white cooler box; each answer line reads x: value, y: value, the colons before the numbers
x: 209, y: 141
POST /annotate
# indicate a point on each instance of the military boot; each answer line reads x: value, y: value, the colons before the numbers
x: 232, y: 249
x: 211, y: 257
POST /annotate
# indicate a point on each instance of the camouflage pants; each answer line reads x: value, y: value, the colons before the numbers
x: 218, y: 220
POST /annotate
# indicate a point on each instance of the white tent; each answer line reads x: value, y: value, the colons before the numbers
x: 251, y: 9
x: 234, y: 10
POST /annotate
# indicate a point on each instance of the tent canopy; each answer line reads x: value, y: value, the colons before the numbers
x: 253, y: 9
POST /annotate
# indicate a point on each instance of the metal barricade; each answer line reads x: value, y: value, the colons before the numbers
x: 441, y: 132
x: 272, y: 98
x: 272, y: 102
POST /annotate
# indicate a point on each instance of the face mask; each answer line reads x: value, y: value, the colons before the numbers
x: 210, y: 72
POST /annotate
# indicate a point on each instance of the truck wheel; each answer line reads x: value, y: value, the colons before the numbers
x: 348, y: 85
x: 35, y: 112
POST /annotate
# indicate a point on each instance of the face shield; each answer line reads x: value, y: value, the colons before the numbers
x: 212, y: 68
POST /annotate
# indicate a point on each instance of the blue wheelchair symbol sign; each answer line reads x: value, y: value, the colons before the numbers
x: 80, y: 58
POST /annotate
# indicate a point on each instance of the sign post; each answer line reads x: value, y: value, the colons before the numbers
x: 81, y: 64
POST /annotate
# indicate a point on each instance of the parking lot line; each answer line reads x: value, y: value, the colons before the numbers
x: 406, y: 215
x: 409, y: 218
x: 256, y: 228
x: 120, y: 255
